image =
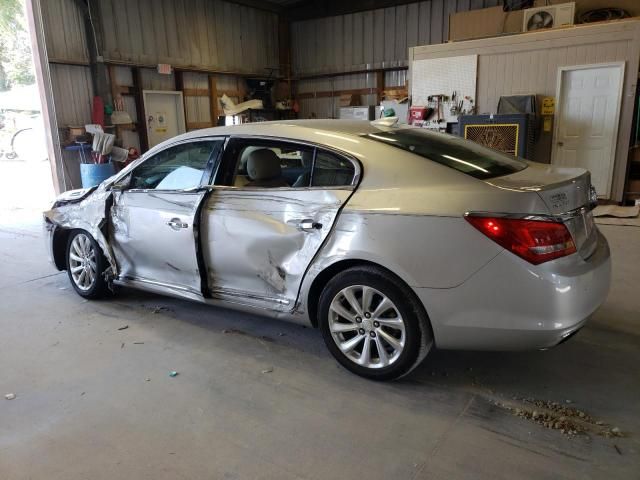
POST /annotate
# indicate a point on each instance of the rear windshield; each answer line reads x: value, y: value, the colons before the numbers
x: 454, y: 152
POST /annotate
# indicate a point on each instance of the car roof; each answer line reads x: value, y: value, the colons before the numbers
x: 349, y: 127
x: 327, y: 132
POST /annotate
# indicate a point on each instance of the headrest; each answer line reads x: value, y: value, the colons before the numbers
x: 263, y: 164
x: 307, y: 158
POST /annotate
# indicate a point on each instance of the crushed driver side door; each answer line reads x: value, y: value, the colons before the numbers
x: 259, y: 235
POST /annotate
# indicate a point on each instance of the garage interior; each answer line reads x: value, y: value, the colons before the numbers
x: 88, y: 386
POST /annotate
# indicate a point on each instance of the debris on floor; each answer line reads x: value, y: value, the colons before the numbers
x: 148, y: 379
x: 267, y: 370
x: 555, y: 416
x: 138, y: 343
x: 234, y: 331
x: 124, y: 327
x: 10, y: 396
x: 173, y: 373
x: 157, y: 308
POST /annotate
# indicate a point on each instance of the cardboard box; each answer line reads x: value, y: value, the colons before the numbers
x: 491, y: 22
x: 349, y: 100
x: 485, y: 22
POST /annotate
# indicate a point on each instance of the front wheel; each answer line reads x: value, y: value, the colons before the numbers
x: 373, y: 324
x: 86, y: 265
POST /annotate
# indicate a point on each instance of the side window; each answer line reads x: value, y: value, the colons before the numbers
x: 272, y: 165
x: 175, y: 168
x: 332, y: 171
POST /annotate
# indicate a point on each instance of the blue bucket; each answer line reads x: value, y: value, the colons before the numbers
x: 93, y: 174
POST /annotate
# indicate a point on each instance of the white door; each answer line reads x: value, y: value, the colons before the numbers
x: 165, y: 115
x: 587, y: 121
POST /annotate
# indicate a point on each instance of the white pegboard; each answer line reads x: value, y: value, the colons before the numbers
x: 443, y: 76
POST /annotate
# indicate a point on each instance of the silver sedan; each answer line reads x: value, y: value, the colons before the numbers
x: 390, y: 240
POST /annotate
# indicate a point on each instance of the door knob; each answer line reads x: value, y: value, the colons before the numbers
x: 308, y: 225
x: 177, y: 224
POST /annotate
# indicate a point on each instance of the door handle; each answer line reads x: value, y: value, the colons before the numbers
x: 561, y: 144
x: 177, y: 224
x: 308, y: 225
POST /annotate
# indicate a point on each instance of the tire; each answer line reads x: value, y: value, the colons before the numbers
x: 84, y: 254
x: 398, y: 331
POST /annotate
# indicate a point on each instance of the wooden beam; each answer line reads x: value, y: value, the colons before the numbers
x: 379, y: 86
x: 352, y: 72
x: 142, y: 115
x: 260, y: 74
x: 230, y: 93
x: 213, y: 99
x: 337, y: 93
x: 195, y: 92
x: 198, y: 125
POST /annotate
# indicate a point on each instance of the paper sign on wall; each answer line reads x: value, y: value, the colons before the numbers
x: 548, y: 106
x: 161, y: 118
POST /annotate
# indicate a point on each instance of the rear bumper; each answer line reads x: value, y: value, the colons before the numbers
x: 512, y: 305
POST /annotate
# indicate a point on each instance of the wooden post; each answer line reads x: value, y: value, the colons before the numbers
x: 213, y: 100
x: 379, y: 86
x: 142, y: 115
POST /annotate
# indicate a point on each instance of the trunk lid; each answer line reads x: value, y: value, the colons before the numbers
x: 567, y: 194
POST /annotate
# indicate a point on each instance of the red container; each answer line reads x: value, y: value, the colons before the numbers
x: 417, y: 114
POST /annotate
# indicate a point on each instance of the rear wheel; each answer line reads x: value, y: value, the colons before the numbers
x: 86, y: 265
x: 373, y: 324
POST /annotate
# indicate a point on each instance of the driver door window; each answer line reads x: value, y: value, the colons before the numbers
x: 176, y: 168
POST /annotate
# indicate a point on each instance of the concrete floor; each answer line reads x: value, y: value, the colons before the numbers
x: 94, y: 402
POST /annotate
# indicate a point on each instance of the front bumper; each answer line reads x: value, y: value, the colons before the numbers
x: 48, y: 230
x: 512, y: 305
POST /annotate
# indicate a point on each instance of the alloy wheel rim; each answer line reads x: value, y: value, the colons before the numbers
x: 366, y: 326
x: 82, y: 262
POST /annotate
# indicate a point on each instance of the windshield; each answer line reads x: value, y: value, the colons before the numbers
x: 454, y: 152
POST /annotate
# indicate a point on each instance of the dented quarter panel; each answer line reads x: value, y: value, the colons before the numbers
x: 254, y: 250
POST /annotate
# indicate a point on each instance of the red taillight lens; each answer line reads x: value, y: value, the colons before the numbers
x: 536, y: 241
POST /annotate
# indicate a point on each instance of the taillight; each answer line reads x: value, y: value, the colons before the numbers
x: 537, y: 241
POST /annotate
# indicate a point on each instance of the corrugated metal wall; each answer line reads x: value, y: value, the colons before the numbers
x: 328, y: 107
x: 198, y: 108
x: 199, y: 34
x: 210, y: 35
x: 366, y: 40
x: 73, y: 93
x: 65, y: 33
x: 374, y: 38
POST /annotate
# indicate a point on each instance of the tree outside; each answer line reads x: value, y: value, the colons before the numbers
x: 16, y: 64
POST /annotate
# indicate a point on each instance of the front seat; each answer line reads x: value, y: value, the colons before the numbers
x: 263, y: 169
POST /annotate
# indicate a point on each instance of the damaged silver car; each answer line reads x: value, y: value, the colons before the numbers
x: 390, y: 240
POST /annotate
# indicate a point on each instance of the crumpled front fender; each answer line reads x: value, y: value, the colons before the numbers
x: 90, y: 214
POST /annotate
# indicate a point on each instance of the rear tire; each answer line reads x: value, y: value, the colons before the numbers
x: 86, y: 265
x: 373, y: 324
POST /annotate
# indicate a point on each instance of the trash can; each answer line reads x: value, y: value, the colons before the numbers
x: 93, y: 174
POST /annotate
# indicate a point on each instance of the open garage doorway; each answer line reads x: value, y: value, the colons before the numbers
x: 26, y: 186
